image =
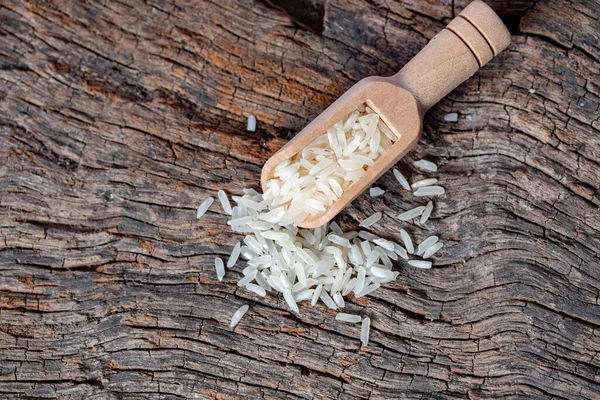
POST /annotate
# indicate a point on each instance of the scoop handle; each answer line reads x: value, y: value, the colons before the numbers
x: 469, y: 41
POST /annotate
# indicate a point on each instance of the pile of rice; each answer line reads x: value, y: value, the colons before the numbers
x: 323, y: 264
x: 313, y: 179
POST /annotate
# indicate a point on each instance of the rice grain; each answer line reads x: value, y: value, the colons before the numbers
x: 225, y: 204
x: 365, y: 330
x: 426, y: 213
x: 235, y: 254
x: 348, y: 318
x: 420, y: 264
x: 401, y: 179
x: 219, y: 268
x: 256, y: 289
x: 429, y: 191
x: 237, y: 316
x: 251, y: 125
x: 426, y: 165
x: 203, y: 207
x: 373, y: 219
x: 423, y: 183
x: 410, y: 214
x: 376, y: 191
x: 408, y: 244
x: 432, y: 250
x: 425, y: 244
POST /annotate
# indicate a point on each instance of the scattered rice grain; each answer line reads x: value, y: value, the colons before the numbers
x: 376, y: 191
x: 203, y: 207
x: 219, y: 268
x: 237, y: 316
x: 432, y: 250
x: 351, y: 318
x: 373, y: 219
x: 256, y: 289
x: 429, y: 191
x: 451, y: 117
x: 424, y: 183
x: 401, y: 179
x: 224, y: 201
x: 339, y: 300
x: 251, y: 125
x: 426, y: 165
x: 426, y: 244
x: 410, y: 214
x: 408, y: 244
x: 426, y: 213
x: 235, y: 254
x: 365, y: 330
x: 287, y: 295
x: 420, y: 264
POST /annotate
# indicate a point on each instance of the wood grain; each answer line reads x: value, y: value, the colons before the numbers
x: 118, y: 118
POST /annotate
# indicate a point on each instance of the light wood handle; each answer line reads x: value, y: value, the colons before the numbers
x: 453, y: 55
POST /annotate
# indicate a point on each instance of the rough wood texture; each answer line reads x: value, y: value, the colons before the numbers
x: 117, y: 118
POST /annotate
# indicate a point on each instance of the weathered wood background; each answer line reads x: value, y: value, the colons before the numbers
x: 117, y: 118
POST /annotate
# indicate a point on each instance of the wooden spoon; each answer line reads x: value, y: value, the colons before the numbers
x: 451, y: 57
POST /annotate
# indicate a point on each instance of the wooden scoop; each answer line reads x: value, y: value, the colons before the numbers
x: 450, y: 58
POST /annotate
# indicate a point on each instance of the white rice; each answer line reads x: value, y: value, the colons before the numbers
x: 237, y: 316
x: 259, y: 290
x: 203, y: 207
x: 410, y: 214
x: 309, y: 182
x: 287, y: 295
x: 262, y: 281
x: 248, y: 278
x: 366, y: 235
x: 372, y: 259
x: 401, y: 179
x: 334, y: 227
x: 386, y: 244
x: 327, y: 300
x: 316, y: 295
x: 224, y: 201
x: 360, y: 280
x: 426, y: 213
x: 367, y: 289
x: 401, y: 251
x: 322, y: 264
x: 235, y: 254
x: 251, y: 126
x: 348, y: 318
x: 432, y: 250
x: 275, y: 235
x: 426, y: 244
x: 219, y: 268
x: 423, y: 183
x: 430, y: 191
x: 426, y: 165
x: 382, y: 273
x: 364, y: 331
x: 239, y: 221
x: 373, y: 219
x: 451, y: 117
x: 339, y: 300
x: 304, y: 295
x: 339, y: 240
x: 408, y: 244
x: 376, y: 191
x: 260, y: 225
x: 420, y: 264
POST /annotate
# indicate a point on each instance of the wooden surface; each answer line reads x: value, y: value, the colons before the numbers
x: 117, y: 118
